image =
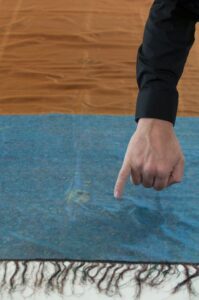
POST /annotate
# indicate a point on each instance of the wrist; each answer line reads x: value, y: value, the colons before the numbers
x: 154, y: 121
x: 154, y: 125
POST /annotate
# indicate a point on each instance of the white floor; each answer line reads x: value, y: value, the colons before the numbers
x: 90, y: 294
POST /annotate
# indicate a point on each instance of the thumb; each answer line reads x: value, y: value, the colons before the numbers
x: 121, y: 179
x: 177, y: 173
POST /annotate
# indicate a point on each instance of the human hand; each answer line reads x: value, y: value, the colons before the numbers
x: 153, y: 157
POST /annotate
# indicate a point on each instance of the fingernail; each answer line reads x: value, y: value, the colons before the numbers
x: 116, y: 194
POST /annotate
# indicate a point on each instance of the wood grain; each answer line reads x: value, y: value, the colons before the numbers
x: 78, y: 56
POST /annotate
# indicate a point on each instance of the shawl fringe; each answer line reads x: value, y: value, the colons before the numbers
x: 108, y: 278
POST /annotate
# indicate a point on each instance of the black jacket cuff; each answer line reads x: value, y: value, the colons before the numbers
x: 157, y: 102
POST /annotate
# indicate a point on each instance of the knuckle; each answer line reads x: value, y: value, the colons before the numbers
x: 149, y: 170
x: 162, y: 172
x: 135, y: 180
x: 137, y: 166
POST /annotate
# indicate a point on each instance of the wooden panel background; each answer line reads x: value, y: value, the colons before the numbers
x: 69, y: 56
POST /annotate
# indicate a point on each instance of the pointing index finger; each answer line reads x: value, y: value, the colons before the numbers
x: 121, y: 180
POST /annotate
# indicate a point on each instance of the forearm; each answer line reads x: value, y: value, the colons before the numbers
x: 168, y: 37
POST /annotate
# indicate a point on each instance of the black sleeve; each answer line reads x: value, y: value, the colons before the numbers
x: 168, y: 36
